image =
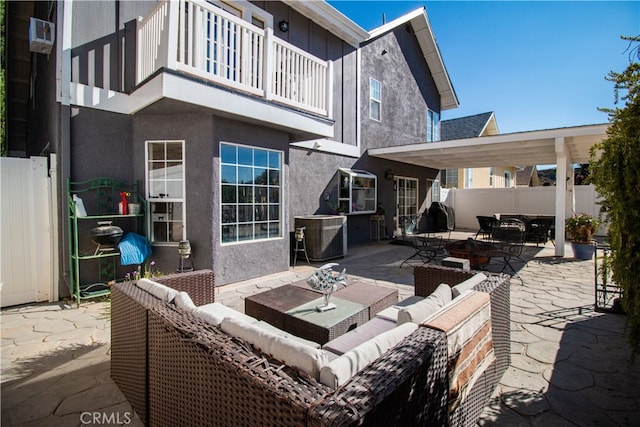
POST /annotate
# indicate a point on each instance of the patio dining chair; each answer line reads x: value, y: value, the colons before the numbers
x: 426, y: 247
x: 507, y: 242
x: 539, y: 230
x: 486, y: 223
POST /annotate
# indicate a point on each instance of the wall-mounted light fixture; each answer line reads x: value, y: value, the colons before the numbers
x: 284, y: 26
x: 388, y: 174
x: 384, y: 52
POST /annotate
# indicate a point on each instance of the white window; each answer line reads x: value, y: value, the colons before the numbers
x: 357, y: 191
x: 433, y: 195
x: 165, y: 191
x: 433, y: 126
x: 251, y: 192
x: 468, y: 178
x: 375, y: 100
x: 246, y: 11
x: 507, y: 179
x: 491, y: 177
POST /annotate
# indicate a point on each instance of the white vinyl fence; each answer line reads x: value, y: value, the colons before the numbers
x: 468, y: 203
x: 28, y: 254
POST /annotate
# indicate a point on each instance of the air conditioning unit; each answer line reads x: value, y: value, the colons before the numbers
x: 41, y: 36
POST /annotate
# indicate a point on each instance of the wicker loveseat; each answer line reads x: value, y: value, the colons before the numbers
x: 176, y: 369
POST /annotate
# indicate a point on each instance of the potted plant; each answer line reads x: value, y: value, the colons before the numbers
x: 336, y: 207
x: 581, y: 228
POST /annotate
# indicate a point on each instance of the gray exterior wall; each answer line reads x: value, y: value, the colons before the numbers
x: 108, y: 144
x: 407, y: 90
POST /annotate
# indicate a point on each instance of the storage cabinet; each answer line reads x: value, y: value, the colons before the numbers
x: 93, y: 266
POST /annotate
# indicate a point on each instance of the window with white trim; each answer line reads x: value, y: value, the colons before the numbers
x: 407, y: 201
x: 375, y: 99
x: 165, y: 191
x: 357, y: 191
x: 491, y: 177
x: 251, y: 193
x: 468, y: 178
x: 433, y: 126
x: 507, y: 179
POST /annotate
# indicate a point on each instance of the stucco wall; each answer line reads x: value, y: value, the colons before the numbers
x: 313, y: 176
x: 407, y: 89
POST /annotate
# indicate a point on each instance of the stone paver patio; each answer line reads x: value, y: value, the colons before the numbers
x: 570, y: 365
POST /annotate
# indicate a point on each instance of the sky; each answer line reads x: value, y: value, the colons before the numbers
x: 536, y: 65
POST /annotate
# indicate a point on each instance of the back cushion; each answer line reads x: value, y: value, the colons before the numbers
x: 292, y: 353
x: 340, y: 370
x: 184, y: 301
x: 158, y: 290
x: 419, y: 311
x: 215, y: 312
x: 467, y: 285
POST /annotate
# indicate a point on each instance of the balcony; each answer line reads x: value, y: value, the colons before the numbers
x: 199, y: 39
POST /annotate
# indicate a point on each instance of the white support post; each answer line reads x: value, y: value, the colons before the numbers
x: 267, y: 79
x: 561, y: 194
x: 329, y: 97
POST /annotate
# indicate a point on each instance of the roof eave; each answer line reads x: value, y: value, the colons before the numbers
x: 331, y: 19
x: 424, y: 34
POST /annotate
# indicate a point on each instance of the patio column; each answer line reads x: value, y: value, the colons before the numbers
x: 564, y: 200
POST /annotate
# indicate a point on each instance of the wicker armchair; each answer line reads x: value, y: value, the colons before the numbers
x: 130, y: 307
x: 427, y: 279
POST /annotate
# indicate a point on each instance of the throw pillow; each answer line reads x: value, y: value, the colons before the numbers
x: 467, y: 285
x: 419, y: 311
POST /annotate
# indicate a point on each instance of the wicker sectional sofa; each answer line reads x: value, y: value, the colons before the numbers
x: 177, y: 369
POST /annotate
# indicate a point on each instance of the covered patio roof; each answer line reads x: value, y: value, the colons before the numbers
x: 522, y: 148
x: 562, y: 147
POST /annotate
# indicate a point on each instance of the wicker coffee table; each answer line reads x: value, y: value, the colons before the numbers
x: 292, y: 308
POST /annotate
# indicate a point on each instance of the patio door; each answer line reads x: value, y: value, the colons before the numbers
x: 407, y: 201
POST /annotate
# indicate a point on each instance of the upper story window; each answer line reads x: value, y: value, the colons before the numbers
x: 375, y: 99
x: 433, y: 126
x: 251, y: 193
x: 165, y: 191
x: 246, y: 11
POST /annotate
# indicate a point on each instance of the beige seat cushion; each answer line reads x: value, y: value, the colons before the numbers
x: 419, y: 311
x: 292, y: 353
x: 467, y: 285
x: 340, y: 370
x: 215, y: 312
x: 277, y: 331
x: 359, y: 335
x: 158, y: 290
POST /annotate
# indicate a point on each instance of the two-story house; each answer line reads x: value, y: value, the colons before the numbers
x: 235, y: 117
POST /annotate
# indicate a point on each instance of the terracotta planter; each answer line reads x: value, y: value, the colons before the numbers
x: 583, y: 250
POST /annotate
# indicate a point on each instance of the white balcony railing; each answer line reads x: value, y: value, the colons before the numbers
x: 198, y: 38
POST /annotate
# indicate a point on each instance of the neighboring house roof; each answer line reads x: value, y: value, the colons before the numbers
x: 468, y: 127
x: 422, y: 30
x: 524, y: 176
x: 325, y: 15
